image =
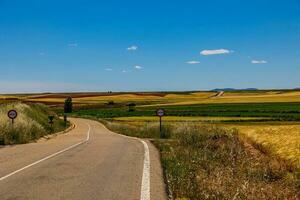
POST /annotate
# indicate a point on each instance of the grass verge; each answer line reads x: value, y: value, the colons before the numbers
x: 207, y: 162
x: 31, y: 123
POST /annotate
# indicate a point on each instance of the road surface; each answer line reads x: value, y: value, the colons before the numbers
x: 89, y: 162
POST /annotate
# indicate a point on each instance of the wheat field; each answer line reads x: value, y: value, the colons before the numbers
x: 280, y: 140
x: 166, y: 99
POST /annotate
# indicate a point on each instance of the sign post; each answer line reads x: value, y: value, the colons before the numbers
x: 65, y: 119
x: 12, y: 114
x: 51, y: 117
x: 160, y: 113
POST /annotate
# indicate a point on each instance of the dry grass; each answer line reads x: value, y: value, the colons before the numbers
x: 280, y: 140
x: 31, y: 123
x: 228, y: 97
x: 27, y: 126
x: 207, y: 162
x: 213, y: 163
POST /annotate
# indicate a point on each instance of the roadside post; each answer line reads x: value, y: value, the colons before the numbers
x: 160, y: 113
x: 51, y: 118
x: 12, y: 114
x: 65, y: 119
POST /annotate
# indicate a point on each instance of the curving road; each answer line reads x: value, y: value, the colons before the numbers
x: 89, y: 162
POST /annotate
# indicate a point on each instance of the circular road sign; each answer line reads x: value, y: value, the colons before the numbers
x: 12, y: 114
x: 160, y: 112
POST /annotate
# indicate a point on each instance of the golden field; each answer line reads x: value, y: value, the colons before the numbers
x: 280, y: 140
x: 156, y: 99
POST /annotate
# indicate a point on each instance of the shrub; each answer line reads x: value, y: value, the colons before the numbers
x: 207, y: 162
x: 68, y: 107
x: 31, y: 123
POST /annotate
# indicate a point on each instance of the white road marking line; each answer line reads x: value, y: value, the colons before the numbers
x: 50, y: 156
x: 88, y: 133
x: 145, y: 189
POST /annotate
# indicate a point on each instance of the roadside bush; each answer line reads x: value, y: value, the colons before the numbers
x: 207, y: 162
x: 31, y: 123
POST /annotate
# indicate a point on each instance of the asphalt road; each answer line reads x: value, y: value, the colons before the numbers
x: 89, y: 162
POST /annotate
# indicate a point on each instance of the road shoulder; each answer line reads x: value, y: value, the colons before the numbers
x: 157, y: 184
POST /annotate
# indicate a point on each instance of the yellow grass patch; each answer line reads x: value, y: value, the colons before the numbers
x: 3, y: 97
x: 119, y: 98
x: 231, y: 97
x: 282, y: 140
x: 51, y: 100
x: 176, y: 99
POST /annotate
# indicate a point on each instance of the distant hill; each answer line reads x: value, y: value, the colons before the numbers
x: 233, y: 89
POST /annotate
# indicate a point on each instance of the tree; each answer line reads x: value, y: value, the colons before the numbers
x: 68, y: 105
x: 131, y: 107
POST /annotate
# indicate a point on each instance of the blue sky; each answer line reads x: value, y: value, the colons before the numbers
x: 148, y: 45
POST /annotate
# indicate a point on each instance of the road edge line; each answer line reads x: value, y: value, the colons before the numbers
x: 145, y: 187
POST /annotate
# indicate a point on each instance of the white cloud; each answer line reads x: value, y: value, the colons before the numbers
x: 73, y: 45
x: 192, y: 62
x: 132, y: 48
x: 138, y: 67
x: 259, y: 62
x: 108, y: 69
x: 215, y: 52
x: 124, y: 71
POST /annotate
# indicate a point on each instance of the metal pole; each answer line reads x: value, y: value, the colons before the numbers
x: 65, y: 119
x: 160, y: 127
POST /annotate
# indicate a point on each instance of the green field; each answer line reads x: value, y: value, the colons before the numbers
x: 265, y: 111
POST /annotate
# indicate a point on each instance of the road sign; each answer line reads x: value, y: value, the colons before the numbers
x: 65, y: 118
x: 12, y: 114
x: 51, y: 117
x: 160, y: 112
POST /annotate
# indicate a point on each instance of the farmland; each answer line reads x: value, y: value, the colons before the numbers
x: 278, y: 105
x: 263, y: 126
x: 280, y: 140
x: 165, y: 98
